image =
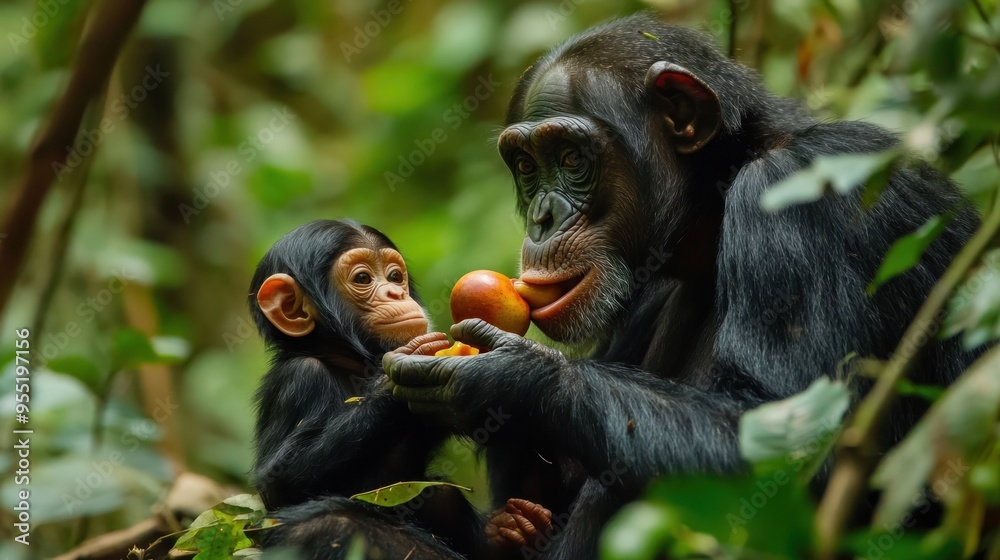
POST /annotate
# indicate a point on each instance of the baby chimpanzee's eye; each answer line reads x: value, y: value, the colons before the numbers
x: 396, y: 276
x: 362, y: 278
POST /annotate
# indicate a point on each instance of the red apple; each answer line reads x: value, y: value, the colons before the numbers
x: 490, y: 296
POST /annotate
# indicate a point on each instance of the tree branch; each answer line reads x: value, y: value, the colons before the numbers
x: 61, y: 245
x: 858, y: 448
x: 106, y: 31
x: 190, y: 495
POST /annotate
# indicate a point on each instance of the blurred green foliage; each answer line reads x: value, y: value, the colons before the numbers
x: 230, y: 122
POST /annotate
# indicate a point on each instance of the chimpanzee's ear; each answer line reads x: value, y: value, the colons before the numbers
x: 286, y: 306
x: 690, y: 108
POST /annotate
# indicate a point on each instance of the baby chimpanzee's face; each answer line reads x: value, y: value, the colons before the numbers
x: 375, y: 283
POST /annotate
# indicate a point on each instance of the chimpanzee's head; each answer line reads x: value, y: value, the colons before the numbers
x: 335, y: 285
x: 610, y: 139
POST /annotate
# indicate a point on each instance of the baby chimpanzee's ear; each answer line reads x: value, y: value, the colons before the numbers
x: 286, y: 306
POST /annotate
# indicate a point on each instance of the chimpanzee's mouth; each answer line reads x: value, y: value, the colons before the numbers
x: 407, y: 320
x: 570, y: 288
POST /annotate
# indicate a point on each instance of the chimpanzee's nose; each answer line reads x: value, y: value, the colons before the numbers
x: 549, y: 213
x: 391, y: 292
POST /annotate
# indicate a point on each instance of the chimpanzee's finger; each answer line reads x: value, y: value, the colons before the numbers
x: 480, y: 334
x: 415, y: 371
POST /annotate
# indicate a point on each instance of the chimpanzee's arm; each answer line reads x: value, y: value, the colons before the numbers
x: 310, y: 442
x: 617, y: 421
x: 627, y: 425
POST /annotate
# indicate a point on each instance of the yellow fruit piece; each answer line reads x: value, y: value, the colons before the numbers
x: 458, y: 349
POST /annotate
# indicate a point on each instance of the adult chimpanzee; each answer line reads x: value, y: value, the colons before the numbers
x: 639, y: 154
x: 329, y: 299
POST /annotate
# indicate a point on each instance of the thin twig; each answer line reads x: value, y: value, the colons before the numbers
x: 103, y: 38
x: 857, y: 448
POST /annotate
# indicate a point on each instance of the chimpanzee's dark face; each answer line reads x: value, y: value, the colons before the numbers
x: 575, y: 199
x: 598, y: 158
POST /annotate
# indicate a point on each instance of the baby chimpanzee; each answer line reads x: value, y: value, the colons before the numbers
x: 329, y: 299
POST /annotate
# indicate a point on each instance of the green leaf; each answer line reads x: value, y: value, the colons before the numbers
x: 944, y: 444
x: 189, y: 540
x: 240, y: 539
x: 794, y: 434
x: 905, y: 253
x: 231, y: 511
x: 215, y: 543
x: 208, y: 519
x: 205, y: 519
x: 245, y: 507
x: 640, y: 531
x: 400, y: 492
x: 235, y: 512
x: 131, y: 348
x: 222, y: 526
x: 80, y: 368
x: 974, y: 310
x: 768, y: 516
x: 840, y: 173
x: 250, y: 502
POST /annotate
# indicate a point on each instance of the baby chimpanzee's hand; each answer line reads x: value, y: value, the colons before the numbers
x: 518, y: 524
x: 425, y: 344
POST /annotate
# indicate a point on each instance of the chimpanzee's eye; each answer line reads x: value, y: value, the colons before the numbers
x: 396, y: 276
x: 572, y: 160
x: 524, y: 165
x: 362, y: 278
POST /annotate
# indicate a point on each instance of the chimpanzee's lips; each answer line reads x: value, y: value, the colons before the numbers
x: 407, y: 320
x: 571, y: 287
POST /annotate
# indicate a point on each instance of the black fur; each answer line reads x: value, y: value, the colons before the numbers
x: 324, y: 529
x: 313, y: 449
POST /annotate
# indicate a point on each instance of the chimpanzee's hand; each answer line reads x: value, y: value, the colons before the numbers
x: 518, y: 524
x: 462, y: 390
